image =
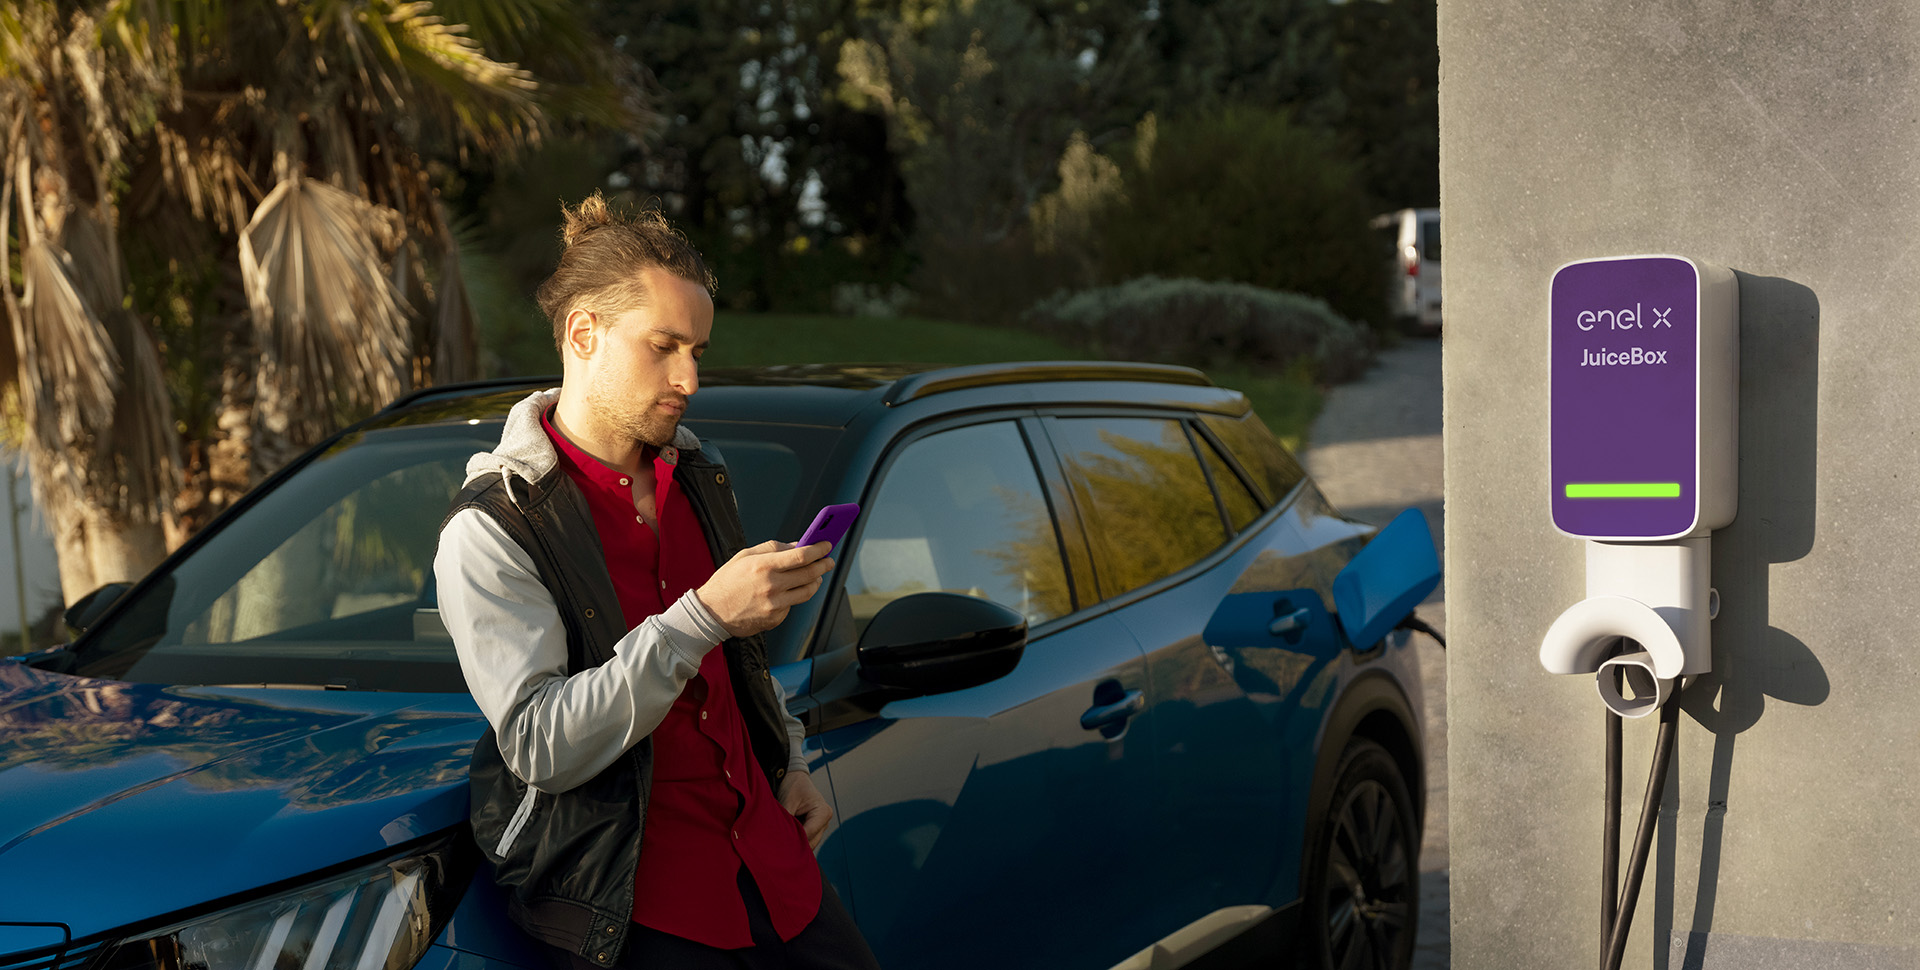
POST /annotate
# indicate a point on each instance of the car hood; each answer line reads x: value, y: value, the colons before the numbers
x: 121, y: 802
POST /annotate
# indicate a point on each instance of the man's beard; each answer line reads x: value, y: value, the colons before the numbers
x: 632, y: 415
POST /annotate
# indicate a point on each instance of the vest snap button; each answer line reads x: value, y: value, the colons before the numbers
x: 609, y: 930
x: 589, y: 612
x: 602, y: 958
x: 720, y: 479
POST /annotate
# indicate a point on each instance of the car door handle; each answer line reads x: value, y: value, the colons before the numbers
x: 1103, y: 715
x: 1292, y: 622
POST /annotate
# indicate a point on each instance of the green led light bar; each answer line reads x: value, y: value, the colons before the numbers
x: 1623, y: 490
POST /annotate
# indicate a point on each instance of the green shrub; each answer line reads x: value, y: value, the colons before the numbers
x: 1206, y: 325
x: 1246, y: 195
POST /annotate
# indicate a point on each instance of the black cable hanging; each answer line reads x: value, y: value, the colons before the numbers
x: 1617, y: 919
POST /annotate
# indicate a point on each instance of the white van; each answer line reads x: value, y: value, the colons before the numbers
x: 1413, y: 295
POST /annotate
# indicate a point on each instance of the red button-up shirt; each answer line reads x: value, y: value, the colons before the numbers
x: 710, y: 809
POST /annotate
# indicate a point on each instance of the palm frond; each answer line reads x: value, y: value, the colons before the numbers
x: 581, y: 77
x: 149, y: 35
x: 67, y: 356
x: 136, y: 457
x: 327, y: 318
x: 202, y: 162
x: 9, y: 300
x: 404, y: 52
x: 23, y: 27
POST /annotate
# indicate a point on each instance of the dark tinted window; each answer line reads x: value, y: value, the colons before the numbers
x: 1234, y: 497
x: 1430, y: 239
x: 1274, y: 472
x: 959, y: 511
x: 1140, y: 486
x: 325, y: 580
x: 772, y: 468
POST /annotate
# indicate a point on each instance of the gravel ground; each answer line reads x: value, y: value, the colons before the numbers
x: 1375, y: 449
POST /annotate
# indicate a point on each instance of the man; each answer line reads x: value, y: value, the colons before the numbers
x: 642, y: 792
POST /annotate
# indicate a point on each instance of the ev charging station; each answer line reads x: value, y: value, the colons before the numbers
x: 1643, y: 410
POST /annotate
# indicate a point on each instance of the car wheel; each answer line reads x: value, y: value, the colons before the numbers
x: 1363, y: 878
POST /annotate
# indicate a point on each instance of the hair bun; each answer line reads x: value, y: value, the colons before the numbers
x: 592, y: 213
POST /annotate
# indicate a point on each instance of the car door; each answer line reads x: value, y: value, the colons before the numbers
x: 1194, y: 568
x: 986, y: 826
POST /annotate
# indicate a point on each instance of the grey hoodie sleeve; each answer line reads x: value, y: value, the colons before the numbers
x: 556, y: 731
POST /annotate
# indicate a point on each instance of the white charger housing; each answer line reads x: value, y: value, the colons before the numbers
x: 1644, y: 388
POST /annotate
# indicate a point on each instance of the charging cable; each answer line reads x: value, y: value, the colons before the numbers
x: 1419, y: 625
x: 1616, y: 902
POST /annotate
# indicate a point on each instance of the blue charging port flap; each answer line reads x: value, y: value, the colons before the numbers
x: 1388, y: 578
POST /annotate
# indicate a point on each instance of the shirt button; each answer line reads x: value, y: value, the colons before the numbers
x: 736, y: 833
x: 623, y: 482
x: 703, y: 715
x: 663, y: 584
x: 724, y: 771
x: 639, y: 518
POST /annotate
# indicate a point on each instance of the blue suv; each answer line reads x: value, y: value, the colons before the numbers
x: 1206, y: 748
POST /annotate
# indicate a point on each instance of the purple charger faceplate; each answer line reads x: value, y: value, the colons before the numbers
x: 1625, y: 397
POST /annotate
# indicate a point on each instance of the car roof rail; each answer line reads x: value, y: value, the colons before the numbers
x: 909, y: 388
x: 462, y: 388
x: 1022, y: 372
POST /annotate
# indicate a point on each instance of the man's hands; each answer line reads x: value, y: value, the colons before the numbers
x: 804, y: 802
x: 752, y: 592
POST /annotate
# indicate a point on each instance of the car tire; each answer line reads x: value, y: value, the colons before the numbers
x: 1363, y: 876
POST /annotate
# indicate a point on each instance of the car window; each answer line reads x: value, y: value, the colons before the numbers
x: 771, y: 469
x: 1234, y: 497
x: 1273, y: 470
x: 1139, y: 484
x: 325, y: 580
x: 370, y: 549
x: 766, y: 475
x: 959, y: 511
x: 1430, y: 239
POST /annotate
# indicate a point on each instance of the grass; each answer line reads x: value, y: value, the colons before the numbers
x: 1287, y: 402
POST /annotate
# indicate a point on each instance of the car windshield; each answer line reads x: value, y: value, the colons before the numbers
x: 327, y: 580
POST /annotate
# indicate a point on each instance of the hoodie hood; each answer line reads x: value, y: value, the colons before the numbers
x: 527, y: 453
x: 122, y: 802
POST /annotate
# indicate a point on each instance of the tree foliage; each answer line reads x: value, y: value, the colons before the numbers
x: 1006, y: 115
x: 780, y: 181
x: 1206, y: 325
x: 807, y: 143
x: 1389, y: 71
x: 223, y: 232
x: 1247, y: 196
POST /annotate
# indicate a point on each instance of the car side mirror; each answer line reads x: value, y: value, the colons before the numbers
x: 88, y: 609
x: 936, y: 642
x: 1382, y: 584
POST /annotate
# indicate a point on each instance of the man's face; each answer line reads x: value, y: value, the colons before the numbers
x: 646, y: 363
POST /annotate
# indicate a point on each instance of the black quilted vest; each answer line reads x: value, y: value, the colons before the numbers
x: 569, y: 869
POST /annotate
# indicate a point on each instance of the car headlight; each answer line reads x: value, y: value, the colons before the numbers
x: 378, y: 917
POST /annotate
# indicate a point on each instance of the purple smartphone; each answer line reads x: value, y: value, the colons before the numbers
x: 829, y: 525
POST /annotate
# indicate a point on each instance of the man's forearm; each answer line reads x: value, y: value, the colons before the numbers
x: 556, y: 730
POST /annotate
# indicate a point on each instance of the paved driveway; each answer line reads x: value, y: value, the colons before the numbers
x: 1375, y: 449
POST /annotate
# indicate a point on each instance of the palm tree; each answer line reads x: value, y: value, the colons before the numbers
x: 221, y: 230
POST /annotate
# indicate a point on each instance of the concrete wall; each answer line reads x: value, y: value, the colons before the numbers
x: 1781, y: 139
